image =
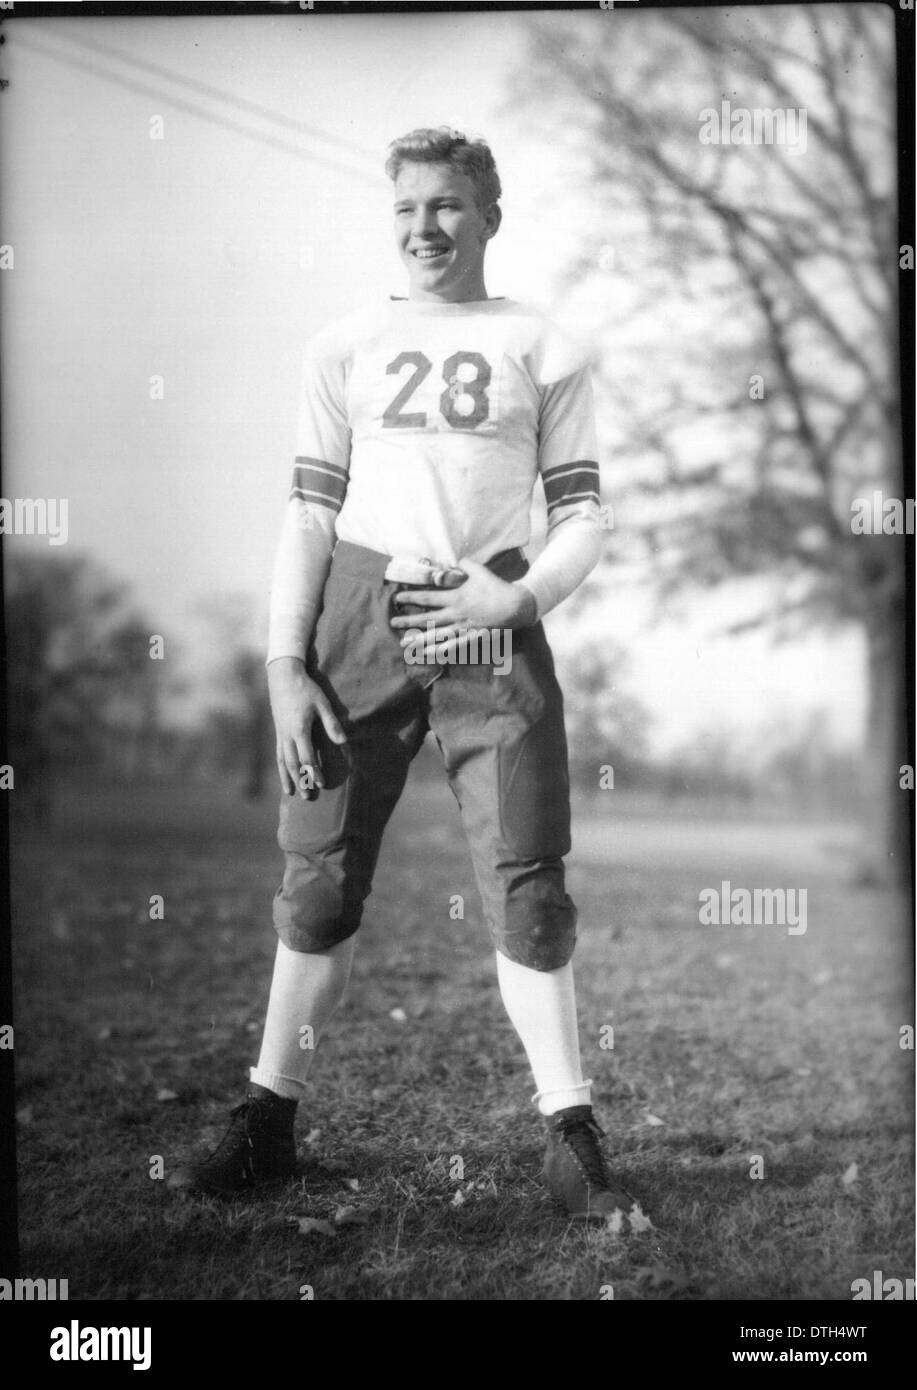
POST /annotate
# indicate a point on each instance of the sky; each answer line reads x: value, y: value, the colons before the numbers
x: 207, y: 256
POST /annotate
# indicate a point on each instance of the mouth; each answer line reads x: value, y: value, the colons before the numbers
x: 430, y: 255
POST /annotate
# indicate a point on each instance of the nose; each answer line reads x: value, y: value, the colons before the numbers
x: 424, y: 222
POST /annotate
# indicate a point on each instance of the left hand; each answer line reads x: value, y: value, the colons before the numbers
x: 482, y: 601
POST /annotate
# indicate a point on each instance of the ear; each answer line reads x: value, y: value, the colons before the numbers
x: 492, y: 219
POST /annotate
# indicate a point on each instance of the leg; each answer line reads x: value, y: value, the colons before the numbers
x: 504, y: 746
x: 331, y: 844
x: 305, y: 991
x: 541, y: 1005
x: 331, y: 847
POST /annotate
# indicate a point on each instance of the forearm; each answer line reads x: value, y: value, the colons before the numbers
x: 300, y: 569
x: 571, y: 553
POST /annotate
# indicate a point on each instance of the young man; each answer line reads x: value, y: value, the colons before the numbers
x: 424, y: 425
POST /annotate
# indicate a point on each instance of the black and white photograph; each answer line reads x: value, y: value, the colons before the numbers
x: 457, y: 530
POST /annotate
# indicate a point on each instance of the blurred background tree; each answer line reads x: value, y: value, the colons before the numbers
x: 82, y: 689
x: 607, y: 724
x: 744, y: 297
x: 233, y: 692
x: 85, y: 697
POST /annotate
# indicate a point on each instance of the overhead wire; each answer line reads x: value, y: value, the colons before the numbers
x: 201, y: 113
x: 217, y: 93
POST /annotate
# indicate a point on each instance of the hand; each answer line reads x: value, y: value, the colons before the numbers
x: 296, y: 702
x: 482, y: 601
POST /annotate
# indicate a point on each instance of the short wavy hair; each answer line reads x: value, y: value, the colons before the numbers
x: 442, y: 145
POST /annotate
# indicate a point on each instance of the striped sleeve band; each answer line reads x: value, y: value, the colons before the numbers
x: 319, y: 482
x: 571, y: 483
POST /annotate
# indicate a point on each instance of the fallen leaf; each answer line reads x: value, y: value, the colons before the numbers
x: 313, y: 1136
x: 850, y: 1175
x: 653, y: 1119
x: 350, y: 1216
x: 312, y: 1225
x: 638, y: 1221
x: 165, y: 1094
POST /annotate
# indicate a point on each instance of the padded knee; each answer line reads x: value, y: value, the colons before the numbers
x: 310, y: 913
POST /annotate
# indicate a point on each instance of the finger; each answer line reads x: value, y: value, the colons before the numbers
x: 291, y: 764
x: 444, y: 616
x: 330, y: 720
x: 427, y: 598
x: 308, y: 773
x: 446, y: 645
x: 428, y: 638
x: 287, y: 785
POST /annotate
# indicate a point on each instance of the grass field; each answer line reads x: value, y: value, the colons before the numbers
x: 729, y: 1042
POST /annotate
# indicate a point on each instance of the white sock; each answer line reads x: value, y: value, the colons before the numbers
x: 305, y: 991
x: 542, y: 1008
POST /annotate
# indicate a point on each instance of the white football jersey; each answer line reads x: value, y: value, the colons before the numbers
x: 423, y: 428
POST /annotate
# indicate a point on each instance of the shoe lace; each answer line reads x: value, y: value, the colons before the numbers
x: 245, y: 1117
x: 583, y: 1135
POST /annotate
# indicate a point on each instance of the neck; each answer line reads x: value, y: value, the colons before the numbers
x: 469, y: 290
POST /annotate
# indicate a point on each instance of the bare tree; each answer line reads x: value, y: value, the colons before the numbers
x: 749, y: 290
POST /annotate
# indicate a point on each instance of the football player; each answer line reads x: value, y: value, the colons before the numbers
x: 425, y: 423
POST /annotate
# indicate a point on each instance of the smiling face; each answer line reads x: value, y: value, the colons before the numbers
x: 441, y: 232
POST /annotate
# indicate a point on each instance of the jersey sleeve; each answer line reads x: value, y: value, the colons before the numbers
x: 568, y: 465
x: 307, y: 536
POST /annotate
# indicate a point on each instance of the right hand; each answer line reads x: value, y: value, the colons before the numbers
x: 296, y: 702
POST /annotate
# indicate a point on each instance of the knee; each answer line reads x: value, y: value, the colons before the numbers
x: 539, y: 925
x: 310, y: 913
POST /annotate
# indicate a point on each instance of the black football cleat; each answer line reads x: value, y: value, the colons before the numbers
x: 577, y: 1176
x: 257, y: 1148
